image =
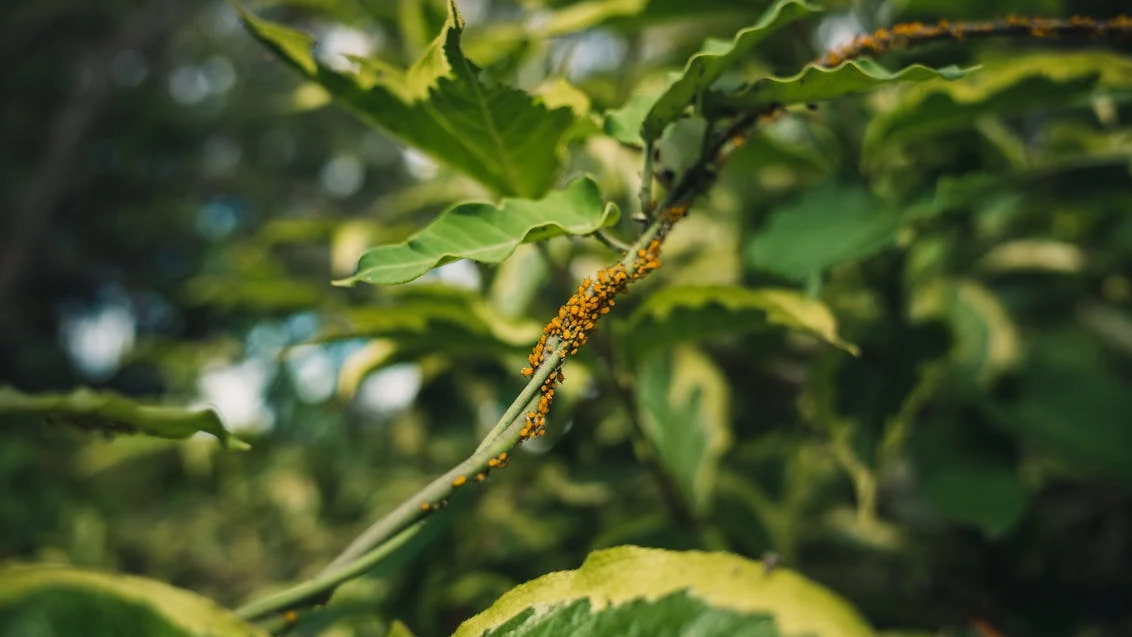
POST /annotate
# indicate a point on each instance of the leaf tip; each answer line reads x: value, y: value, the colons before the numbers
x: 232, y: 443
x: 454, y: 18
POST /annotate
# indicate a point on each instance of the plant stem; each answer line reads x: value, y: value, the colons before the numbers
x: 325, y: 582
x: 404, y: 521
x: 369, y: 548
x: 645, y: 194
x: 611, y: 241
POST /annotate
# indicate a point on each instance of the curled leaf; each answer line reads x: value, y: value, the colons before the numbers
x: 114, y: 414
x: 487, y: 233
x: 817, y: 84
x: 707, y: 66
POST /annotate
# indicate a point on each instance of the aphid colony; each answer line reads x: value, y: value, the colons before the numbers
x: 570, y: 330
x: 902, y: 35
x: 576, y: 319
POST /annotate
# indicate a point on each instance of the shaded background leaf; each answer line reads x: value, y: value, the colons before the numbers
x: 678, y: 314
x: 113, y: 414
x: 684, y: 405
x: 829, y: 225
x: 1024, y: 82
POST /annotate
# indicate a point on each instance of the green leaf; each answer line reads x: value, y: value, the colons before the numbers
x: 707, y: 66
x: 681, y: 313
x: 673, y: 615
x: 266, y: 295
x: 114, y: 414
x: 827, y: 225
x: 1068, y: 405
x: 684, y: 402
x: 503, y: 137
x: 487, y: 233
x: 616, y: 577
x: 1011, y: 85
x: 250, y: 275
x: 624, y: 123
x: 435, y: 318
x: 968, y: 480
x: 55, y: 600
x: 818, y: 84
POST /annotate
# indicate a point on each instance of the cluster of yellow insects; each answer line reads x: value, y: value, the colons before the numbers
x: 901, y: 35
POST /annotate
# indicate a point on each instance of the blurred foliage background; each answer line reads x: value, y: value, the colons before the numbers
x: 176, y: 202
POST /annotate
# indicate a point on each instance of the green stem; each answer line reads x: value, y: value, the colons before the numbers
x: 611, y: 241
x: 645, y: 193
x: 864, y: 482
x: 373, y: 545
x: 370, y: 547
x: 325, y: 582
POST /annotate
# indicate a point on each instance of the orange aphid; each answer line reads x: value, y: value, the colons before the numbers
x: 460, y: 481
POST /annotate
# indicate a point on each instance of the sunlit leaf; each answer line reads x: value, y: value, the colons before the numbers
x: 717, y: 58
x: 678, y: 314
x: 827, y: 225
x: 505, y: 138
x: 613, y: 578
x: 113, y: 414
x: 674, y: 614
x: 1042, y: 255
x: 986, y: 341
x: 1011, y: 85
x: 684, y: 401
x: 55, y: 600
x: 487, y: 233
x: 818, y: 84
